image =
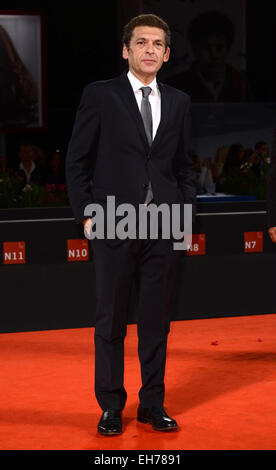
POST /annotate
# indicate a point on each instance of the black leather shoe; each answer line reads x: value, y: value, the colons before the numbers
x: 110, y: 423
x: 157, y: 417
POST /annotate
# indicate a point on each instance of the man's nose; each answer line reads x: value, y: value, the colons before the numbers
x: 149, y: 47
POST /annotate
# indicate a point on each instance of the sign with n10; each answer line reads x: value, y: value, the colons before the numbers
x: 77, y: 250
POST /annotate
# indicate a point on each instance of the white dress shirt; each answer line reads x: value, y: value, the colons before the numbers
x: 154, y: 99
x: 28, y: 174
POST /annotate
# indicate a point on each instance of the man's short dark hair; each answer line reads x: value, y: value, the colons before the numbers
x: 211, y: 23
x: 146, y: 20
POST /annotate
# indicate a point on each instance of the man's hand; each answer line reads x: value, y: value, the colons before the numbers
x: 189, y: 241
x: 272, y: 233
x: 87, y: 224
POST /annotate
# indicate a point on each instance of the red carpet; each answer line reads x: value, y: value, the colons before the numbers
x: 221, y: 388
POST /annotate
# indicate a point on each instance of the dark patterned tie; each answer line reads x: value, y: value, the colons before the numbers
x: 146, y: 112
x: 147, y: 119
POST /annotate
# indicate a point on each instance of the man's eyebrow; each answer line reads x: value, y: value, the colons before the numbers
x: 146, y: 39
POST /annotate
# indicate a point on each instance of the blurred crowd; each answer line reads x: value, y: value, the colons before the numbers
x: 212, y: 172
x: 36, y: 165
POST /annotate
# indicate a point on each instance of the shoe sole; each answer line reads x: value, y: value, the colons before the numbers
x: 145, y: 421
x: 111, y: 433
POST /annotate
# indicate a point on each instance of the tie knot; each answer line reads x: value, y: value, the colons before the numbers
x: 146, y: 91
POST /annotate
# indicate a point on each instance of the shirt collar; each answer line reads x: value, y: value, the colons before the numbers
x: 21, y: 166
x: 137, y: 84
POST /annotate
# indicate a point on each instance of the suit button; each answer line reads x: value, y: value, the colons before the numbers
x: 148, y: 157
x: 145, y: 186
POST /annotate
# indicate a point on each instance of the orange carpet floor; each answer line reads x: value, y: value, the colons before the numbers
x: 220, y: 386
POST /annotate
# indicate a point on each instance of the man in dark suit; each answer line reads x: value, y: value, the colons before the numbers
x: 132, y: 134
x: 271, y: 193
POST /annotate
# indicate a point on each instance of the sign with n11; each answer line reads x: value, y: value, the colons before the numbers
x: 14, y: 252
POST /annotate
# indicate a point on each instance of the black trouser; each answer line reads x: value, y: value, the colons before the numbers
x: 153, y: 263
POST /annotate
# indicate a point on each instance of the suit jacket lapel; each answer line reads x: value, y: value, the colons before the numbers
x: 126, y: 93
x: 165, y: 101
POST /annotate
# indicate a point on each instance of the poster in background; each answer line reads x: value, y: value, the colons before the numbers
x: 208, y: 58
x: 21, y: 62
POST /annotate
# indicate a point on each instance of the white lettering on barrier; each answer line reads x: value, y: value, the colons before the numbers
x: 9, y: 256
x: 250, y: 244
x: 77, y: 253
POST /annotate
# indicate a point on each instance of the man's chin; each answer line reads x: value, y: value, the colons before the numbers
x: 150, y: 69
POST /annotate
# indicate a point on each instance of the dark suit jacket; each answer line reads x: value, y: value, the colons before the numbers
x: 37, y: 175
x: 271, y: 187
x: 109, y: 143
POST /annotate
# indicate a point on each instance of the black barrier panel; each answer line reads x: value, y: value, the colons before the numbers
x: 46, y: 233
x: 59, y: 296
x: 48, y: 292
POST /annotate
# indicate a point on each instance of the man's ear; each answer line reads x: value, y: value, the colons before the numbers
x: 125, y: 52
x: 167, y: 55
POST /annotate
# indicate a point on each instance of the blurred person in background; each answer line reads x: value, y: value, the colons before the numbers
x: 55, y: 168
x: 28, y: 168
x: 204, y: 175
x: 218, y: 166
x: 260, y: 158
x: 234, y: 158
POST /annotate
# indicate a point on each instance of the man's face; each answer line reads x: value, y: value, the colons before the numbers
x: 264, y: 150
x: 147, y: 51
x: 26, y: 153
x: 214, y: 52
